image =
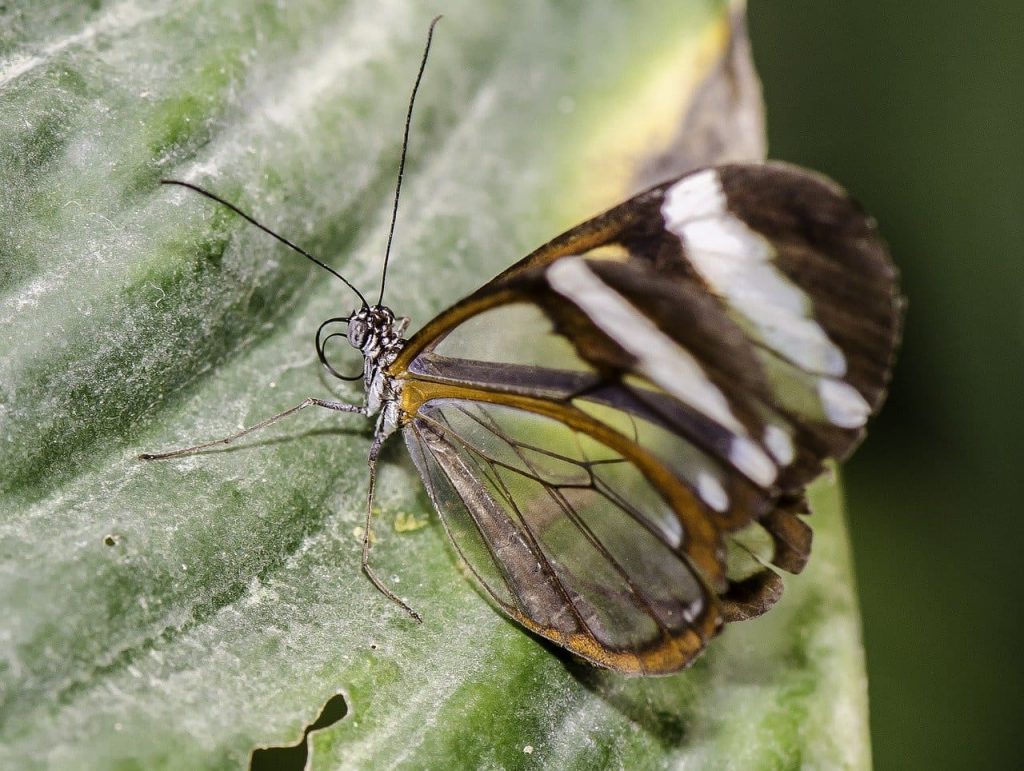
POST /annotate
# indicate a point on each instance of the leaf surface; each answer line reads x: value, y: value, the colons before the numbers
x: 181, y: 614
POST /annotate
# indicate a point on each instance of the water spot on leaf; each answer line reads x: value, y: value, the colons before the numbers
x: 294, y: 757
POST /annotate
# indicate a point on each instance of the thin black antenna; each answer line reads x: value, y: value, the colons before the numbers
x: 322, y: 354
x: 265, y: 229
x: 401, y: 164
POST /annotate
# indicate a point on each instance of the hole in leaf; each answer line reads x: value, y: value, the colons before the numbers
x: 294, y: 757
x: 111, y: 539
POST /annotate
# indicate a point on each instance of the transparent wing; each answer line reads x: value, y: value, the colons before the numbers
x: 736, y: 327
x: 568, y: 535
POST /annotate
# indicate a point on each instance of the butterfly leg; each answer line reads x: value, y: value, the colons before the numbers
x: 378, y: 442
x: 310, y: 402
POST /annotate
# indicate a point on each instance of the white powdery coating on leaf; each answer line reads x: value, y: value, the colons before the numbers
x: 120, y: 18
x: 310, y: 84
x: 737, y: 263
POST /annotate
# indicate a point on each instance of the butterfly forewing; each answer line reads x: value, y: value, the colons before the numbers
x: 798, y: 264
x: 517, y: 333
x: 695, y: 446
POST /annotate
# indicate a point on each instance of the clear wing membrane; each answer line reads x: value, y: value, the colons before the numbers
x: 565, y: 534
x: 695, y: 447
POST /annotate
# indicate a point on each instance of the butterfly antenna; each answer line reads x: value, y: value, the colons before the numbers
x: 401, y: 163
x: 265, y: 229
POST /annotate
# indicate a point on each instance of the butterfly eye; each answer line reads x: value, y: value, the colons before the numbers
x: 321, y: 343
x: 357, y: 330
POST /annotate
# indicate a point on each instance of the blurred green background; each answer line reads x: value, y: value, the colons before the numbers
x: 917, y: 107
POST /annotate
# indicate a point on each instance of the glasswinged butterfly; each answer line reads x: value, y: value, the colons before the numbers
x: 602, y: 422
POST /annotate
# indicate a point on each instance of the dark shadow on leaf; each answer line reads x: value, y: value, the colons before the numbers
x: 660, y: 705
x: 276, y: 440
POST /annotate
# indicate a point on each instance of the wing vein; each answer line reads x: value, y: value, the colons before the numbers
x: 554, y: 492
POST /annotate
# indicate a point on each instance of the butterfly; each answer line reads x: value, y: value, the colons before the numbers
x: 602, y: 425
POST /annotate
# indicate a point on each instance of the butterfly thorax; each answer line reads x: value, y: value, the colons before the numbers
x: 377, y: 334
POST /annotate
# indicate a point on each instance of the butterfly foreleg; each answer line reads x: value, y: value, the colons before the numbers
x: 309, y: 402
x: 379, y: 437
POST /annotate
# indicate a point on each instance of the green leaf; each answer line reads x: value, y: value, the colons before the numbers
x: 181, y: 614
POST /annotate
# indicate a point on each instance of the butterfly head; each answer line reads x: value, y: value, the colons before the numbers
x: 373, y: 330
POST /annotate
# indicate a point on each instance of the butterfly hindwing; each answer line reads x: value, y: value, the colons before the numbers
x: 566, y: 534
